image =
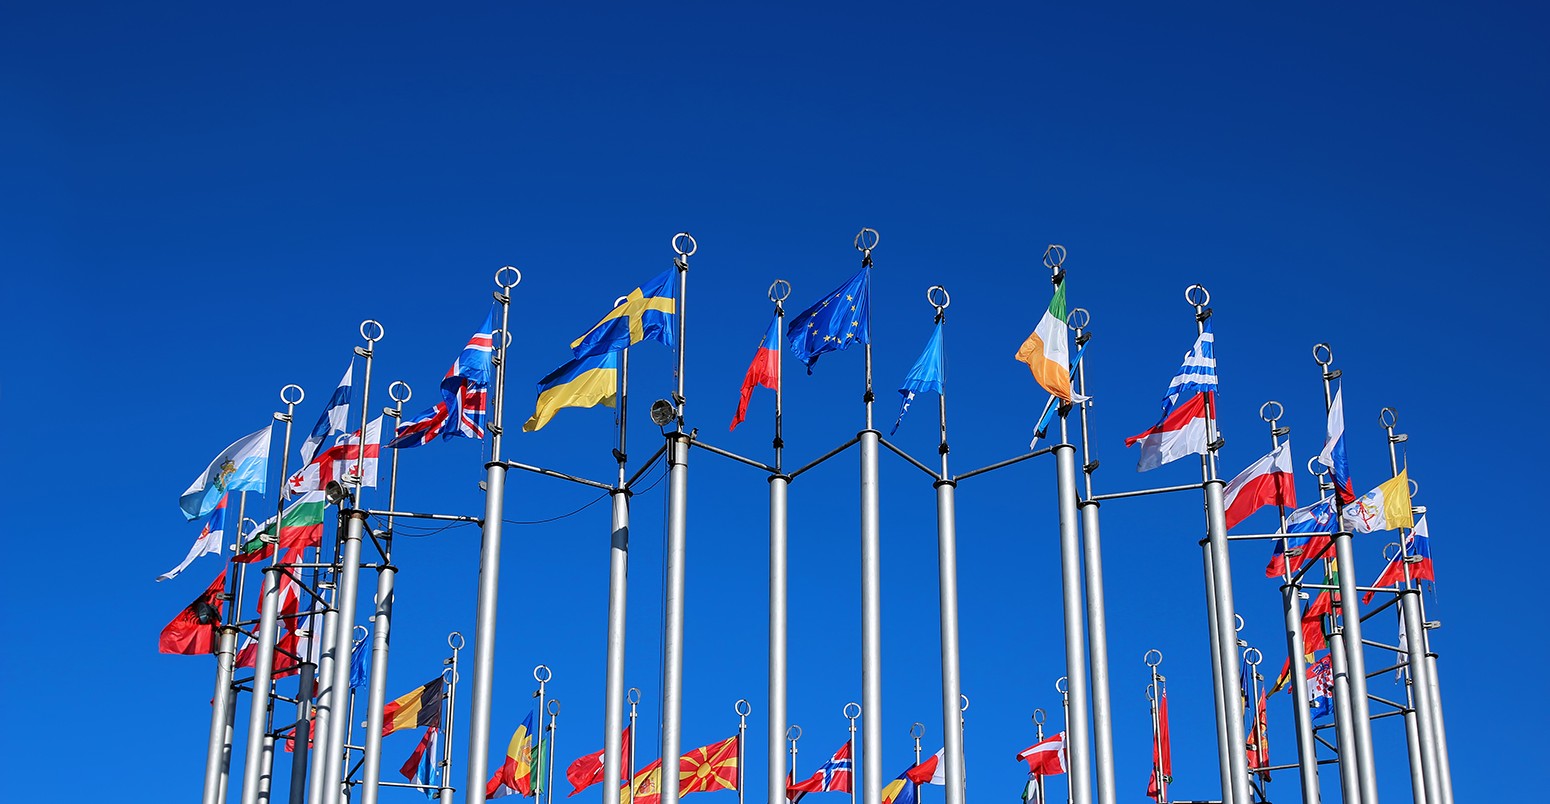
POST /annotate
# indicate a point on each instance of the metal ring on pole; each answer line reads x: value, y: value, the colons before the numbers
x: 393, y: 393
x: 505, y: 337
x: 847, y: 711
x: 780, y: 290
x: 554, y: 707
x: 1061, y: 685
x: 865, y: 244
x: 1387, y: 556
x: 1415, y: 488
x: 963, y: 702
x: 1271, y: 418
x: 1038, y: 717
x: 449, y: 675
x: 917, y: 730
x: 368, y: 326
x: 1238, y: 620
x: 633, y: 695
x: 1329, y: 355
x: 1150, y: 695
x: 362, y: 630
x: 285, y: 394
x: 793, y: 732
x: 455, y: 640
x: 1054, y: 256
x: 1078, y: 319
x: 1197, y: 295
x: 501, y: 276
x: 742, y: 707
x: 931, y: 293
x: 678, y: 247
x: 1314, y: 467
x: 544, y: 676
x: 621, y: 300
x: 1258, y: 657
x: 1388, y: 417
x: 1147, y: 658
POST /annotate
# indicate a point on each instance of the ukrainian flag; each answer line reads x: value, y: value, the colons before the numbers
x: 647, y: 312
x: 581, y: 383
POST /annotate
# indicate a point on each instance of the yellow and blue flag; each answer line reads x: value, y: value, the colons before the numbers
x: 834, y: 323
x: 582, y: 383
x: 902, y: 790
x: 649, y: 311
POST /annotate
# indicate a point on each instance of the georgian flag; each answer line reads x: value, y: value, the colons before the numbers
x: 341, y: 462
x: 1268, y: 481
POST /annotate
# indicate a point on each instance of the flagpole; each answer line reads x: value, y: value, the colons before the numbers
x: 455, y: 642
x: 1418, y: 769
x: 1221, y: 589
x: 871, y: 575
x: 1223, y: 755
x: 218, y: 748
x: 235, y: 615
x: 327, y: 700
x: 851, y: 714
x: 618, y: 584
x: 793, y: 733
x: 1062, y: 684
x: 376, y: 698
x: 268, y: 625
x: 1340, y: 690
x: 489, y: 561
x: 780, y: 482
x: 1154, y: 700
x: 1351, y: 622
x: 306, y: 685
x: 541, y: 674
x: 1260, y: 735
x: 684, y: 246
x: 634, y: 697
x: 917, y: 731
x: 742, y: 709
x: 554, y: 727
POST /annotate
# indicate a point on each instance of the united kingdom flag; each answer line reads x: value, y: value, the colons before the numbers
x: 464, y: 396
x: 833, y: 776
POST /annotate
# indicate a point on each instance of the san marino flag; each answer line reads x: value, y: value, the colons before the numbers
x: 1386, y: 507
x: 243, y: 466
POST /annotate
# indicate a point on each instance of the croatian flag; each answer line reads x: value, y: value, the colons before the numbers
x: 1268, y: 481
x: 1294, y: 551
x: 1181, y: 432
x: 1418, y: 548
x: 464, y: 396
x: 764, y: 370
x: 1333, y: 457
x: 1321, y: 685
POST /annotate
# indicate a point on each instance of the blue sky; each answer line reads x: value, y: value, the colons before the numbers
x: 204, y: 202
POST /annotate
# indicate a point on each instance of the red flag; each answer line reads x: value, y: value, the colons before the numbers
x: 764, y: 370
x: 588, y: 771
x: 1162, y: 752
x: 1268, y: 481
x: 1046, y: 757
x: 1259, y: 741
x: 412, y: 767
x: 192, y: 632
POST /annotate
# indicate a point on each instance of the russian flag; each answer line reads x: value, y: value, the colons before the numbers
x: 764, y: 370
x: 1267, y: 481
x: 1419, y: 548
x: 1181, y: 432
x: 1333, y: 457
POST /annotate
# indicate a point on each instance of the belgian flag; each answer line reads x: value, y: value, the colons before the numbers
x: 418, y: 707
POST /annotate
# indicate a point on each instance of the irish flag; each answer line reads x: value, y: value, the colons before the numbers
x: 1046, y: 351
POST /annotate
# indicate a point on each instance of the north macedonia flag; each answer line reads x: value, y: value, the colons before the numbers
x: 710, y: 767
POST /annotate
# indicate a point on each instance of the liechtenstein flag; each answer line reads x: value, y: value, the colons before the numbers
x: 764, y: 370
x: 1333, y: 457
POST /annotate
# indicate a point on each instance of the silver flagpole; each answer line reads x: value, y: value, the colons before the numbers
x: 852, y: 711
x: 327, y: 701
x: 742, y: 709
x: 634, y: 697
x: 334, y: 753
x: 268, y: 625
x: 1340, y: 690
x: 917, y: 731
x: 677, y: 538
x: 1351, y: 624
x: 793, y: 733
x: 489, y: 562
x: 1061, y: 685
x: 218, y: 749
x: 1258, y: 736
x: 305, y: 686
x: 554, y: 727
x: 779, y: 291
x: 230, y: 731
x: 1221, y: 589
x: 1038, y: 725
x: 445, y: 793
x: 376, y: 698
x: 541, y: 674
x: 1223, y: 756
x: 1154, y: 698
x: 618, y: 584
x: 1079, y: 747
x: 947, y: 575
x: 266, y: 777
x: 1092, y: 566
x: 871, y: 576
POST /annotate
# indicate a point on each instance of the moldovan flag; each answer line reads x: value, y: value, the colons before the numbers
x: 192, y: 632
x: 1182, y: 432
x: 764, y: 370
x: 1268, y: 481
x: 1046, y: 757
x: 709, y: 767
x: 519, y: 774
x: 1047, y: 351
x: 1386, y: 507
x: 420, y: 706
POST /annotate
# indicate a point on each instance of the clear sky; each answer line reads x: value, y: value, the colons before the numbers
x: 203, y: 202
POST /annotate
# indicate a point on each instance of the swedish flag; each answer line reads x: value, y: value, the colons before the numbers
x: 648, y: 311
x: 581, y: 383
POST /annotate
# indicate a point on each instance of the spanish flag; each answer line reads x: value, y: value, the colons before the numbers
x: 581, y: 383
x: 418, y: 707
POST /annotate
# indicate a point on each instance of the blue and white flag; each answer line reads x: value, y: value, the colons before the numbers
x: 243, y: 466
x: 1333, y: 457
x: 209, y: 541
x: 335, y: 418
x: 1197, y: 375
x: 358, y: 664
x: 925, y: 375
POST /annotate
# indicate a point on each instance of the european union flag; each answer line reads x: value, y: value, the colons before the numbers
x: 834, y: 323
x: 648, y: 312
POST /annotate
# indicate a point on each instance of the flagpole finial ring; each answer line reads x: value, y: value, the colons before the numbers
x: 394, y: 394
x: 1415, y: 488
x: 780, y: 290
x: 1257, y: 657
x: 1150, y: 662
x: 1323, y: 355
x: 361, y: 632
x: 1314, y: 467
x: 867, y: 239
x: 1237, y: 622
x: 1265, y: 414
x: 936, y: 292
x: 742, y: 707
x: 1390, y: 556
x: 633, y: 695
x: 852, y: 710
x: 1078, y: 319
x: 542, y: 674
x: 963, y: 702
x: 1060, y: 685
x: 1197, y: 295
x: 1054, y: 256
x: 684, y: 244
x: 917, y: 730
x: 1038, y: 717
x: 455, y: 639
x: 1389, y: 418
x: 554, y: 707
x: 292, y: 390
x: 372, y: 330
x: 508, y: 277
x: 793, y: 732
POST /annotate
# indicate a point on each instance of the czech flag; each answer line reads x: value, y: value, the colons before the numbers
x: 764, y: 370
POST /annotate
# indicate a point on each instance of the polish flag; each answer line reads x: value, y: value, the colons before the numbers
x: 1268, y: 481
x: 1182, y: 432
x: 1046, y: 757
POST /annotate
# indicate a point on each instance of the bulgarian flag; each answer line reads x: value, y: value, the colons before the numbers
x: 1047, y: 351
x: 302, y: 526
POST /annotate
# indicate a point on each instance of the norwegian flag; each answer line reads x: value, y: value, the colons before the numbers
x: 464, y: 396
x: 832, y: 776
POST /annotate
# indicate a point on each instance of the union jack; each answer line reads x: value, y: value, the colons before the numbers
x: 464, y: 396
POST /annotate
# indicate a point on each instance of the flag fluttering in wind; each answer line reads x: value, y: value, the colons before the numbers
x: 1198, y: 373
x: 192, y: 632
x: 358, y: 665
x: 1333, y: 456
x: 1418, y: 547
x: 1268, y: 481
x: 302, y: 526
x: 1046, y: 757
x: 926, y: 375
x: 1313, y: 638
x: 1321, y: 687
x: 1259, y: 741
x: 929, y: 771
x: 901, y: 790
x: 835, y: 322
x: 764, y: 370
x: 522, y: 772
x: 243, y: 466
x: 1182, y: 428
x: 646, y: 787
x: 1386, y: 507
x: 835, y: 776
x: 417, y: 708
x: 341, y: 462
x: 209, y: 541
x: 1294, y: 551
x: 649, y: 312
x: 335, y: 418
x: 581, y: 383
x: 465, y: 393
x: 1047, y: 349
x: 1162, y: 751
x: 421, y: 767
x: 588, y: 770
x: 709, y: 767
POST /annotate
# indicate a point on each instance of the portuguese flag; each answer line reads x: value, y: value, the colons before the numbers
x: 1047, y: 351
x: 302, y: 526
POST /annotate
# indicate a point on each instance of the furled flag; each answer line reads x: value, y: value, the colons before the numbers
x: 581, y: 383
x: 648, y: 312
x: 1046, y: 757
x: 243, y: 466
x: 1333, y: 456
x: 1047, y: 350
x: 834, y: 776
x: 1181, y: 432
x: 1321, y: 687
x: 926, y: 375
x: 1031, y: 792
x: 416, y: 708
x: 1386, y: 507
x: 358, y: 664
x: 1162, y: 752
x: 335, y: 418
x: 464, y: 396
x: 1402, y: 656
x: 302, y: 526
x: 588, y: 770
x: 520, y: 773
x: 341, y: 461
x: 1417, y: 555
x: 192, y: 632
x: 1259, y: 741
x: 209, y: 540
x: 1284, y: 677
x: 835, y: 322
x: 1267, y: 481
x: 1294, y: 551
x: 764, y: 370
x: 901, y: 790
x: 709, y: 767
x: 645, y: 787
x: 931, y: 771
x: 421, y: 768
x: 1313, y: 638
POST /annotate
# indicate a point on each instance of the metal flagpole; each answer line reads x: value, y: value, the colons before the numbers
x: 371, y: 772
x: 541, y: 674
x: 871, y: 576
x: 1223, y: 755
x: 742, y: 709
x: 1061, y: 686
x: 1259, y: 736
x: 454, y: 641
x: 947, y: 574
x: 780, y: 482
x: 268, y: 627
x: 554, y: 725
x: 266, y: 777
x: 1221, y: 589
x: 677, y: 537
x: 618, y: 583
x: 489, y: 561
x: 1154, y: 692
x: 1092, y: 566
x: 229, y: 733
x: 1038, y: 725
x: 793, y: 733
x: 218, y: 749
x: 634, y: 697
x: 852, y: 711
x: 1351, y: 624
x: 301, y: 734
x: 917, y: 730
x: 327, y: 701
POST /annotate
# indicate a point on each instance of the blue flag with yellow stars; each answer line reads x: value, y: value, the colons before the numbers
x: 834, y: 323
x: 648, y: 311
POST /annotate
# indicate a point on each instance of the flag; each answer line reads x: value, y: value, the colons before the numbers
x: 1386, y: 507
x: 764, y: 370
x: 581, y: 383
x: 901, y: 790
x: 1181, y: 432
x: 1402, y: 656
x: 926, y: 375
x: 1031, y: 792
x: 192, y: 632
x: 835, y: 776
x: 931, y: 771
x: 1313, y: 638
x: 1267, y: 481
x: 418, y: 769
x: 1333, y: 455
x: 1047, y: 350
x: 588, y: 770
x: 341, y: 462
x: 302, y: 526
x: 1417, y: 555
x: 209, y: 540
x: 1162, y: 751
x: 284, y: 662
x: 1292, y: 552
x: 1284, y: 678
x: 1046, y: 757
x: 1049, y: 407
x: 834, y: 323
x: 243, y: 466
x: 1321, y: 687
x: 335, y: 418
x: 519, y: 774
x: 464, y: 396
x: 358, y: 664
x: 646, y: 787
x: 1259, y: 741
x: 649, y: 312
x: 1196, y: 375
x: 420, y: 706
x: 709, y: 767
